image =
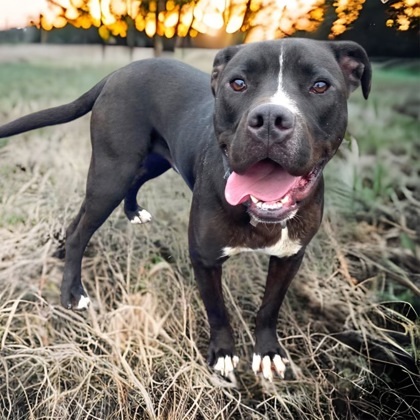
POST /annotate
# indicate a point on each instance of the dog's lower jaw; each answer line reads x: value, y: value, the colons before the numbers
x: 254, y: 220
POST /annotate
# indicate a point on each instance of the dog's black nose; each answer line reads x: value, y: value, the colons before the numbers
x: 271, y: 123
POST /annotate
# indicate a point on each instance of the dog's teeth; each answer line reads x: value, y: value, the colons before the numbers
x: 254, y: 199
x: 269, y: 206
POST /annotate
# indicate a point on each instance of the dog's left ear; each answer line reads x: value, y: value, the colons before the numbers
x: 355, y: 64
x: 222, y: 58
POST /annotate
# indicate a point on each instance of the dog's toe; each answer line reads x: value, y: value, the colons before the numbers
x: 141, y: 216
x: 226, y: 365
x: 82, y: 304
x: 75, y: 300
x: 267, y: 365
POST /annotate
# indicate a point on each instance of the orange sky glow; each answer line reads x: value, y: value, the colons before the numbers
x: 17, y: 13
x: 272, y: 19
x: 206, y: 17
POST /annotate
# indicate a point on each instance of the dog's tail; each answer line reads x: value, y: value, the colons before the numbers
x: 52, y: 116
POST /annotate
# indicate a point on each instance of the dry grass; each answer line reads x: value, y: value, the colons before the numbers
x: 139, y: 350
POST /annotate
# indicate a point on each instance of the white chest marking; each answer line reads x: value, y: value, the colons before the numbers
x: 281, y: 97
x: 285, y: 247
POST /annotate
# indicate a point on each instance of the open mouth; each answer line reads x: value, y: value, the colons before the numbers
x: 269, y: 192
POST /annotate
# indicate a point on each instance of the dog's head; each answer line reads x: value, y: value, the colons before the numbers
x: 280, y: 115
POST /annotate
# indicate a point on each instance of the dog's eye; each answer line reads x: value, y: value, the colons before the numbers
x: 238, y: 85
x: 319, y: 87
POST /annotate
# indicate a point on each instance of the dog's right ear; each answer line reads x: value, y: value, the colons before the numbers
x: 355, y: 64
x: 222, y: 58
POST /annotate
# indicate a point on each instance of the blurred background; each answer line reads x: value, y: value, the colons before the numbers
x: 350, y: 318
x: 386, y: 28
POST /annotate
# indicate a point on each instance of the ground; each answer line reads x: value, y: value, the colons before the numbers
x: 349, y: 321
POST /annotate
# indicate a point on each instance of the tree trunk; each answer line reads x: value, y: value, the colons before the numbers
x: 157, y: 45
x: 44, y: 36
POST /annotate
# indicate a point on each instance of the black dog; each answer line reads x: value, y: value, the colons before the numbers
x: 251, y: 146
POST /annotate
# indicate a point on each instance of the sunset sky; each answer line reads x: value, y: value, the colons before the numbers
x: 272, y: 20
x: 17, y: 13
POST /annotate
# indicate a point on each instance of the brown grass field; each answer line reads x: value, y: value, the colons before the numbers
x: 349, y: 321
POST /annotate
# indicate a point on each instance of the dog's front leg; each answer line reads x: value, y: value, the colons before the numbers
x: 221, y: 352
x: 269, y: 356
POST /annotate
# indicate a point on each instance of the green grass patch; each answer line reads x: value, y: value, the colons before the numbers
x: 377, y: 123
x: 35, y: 82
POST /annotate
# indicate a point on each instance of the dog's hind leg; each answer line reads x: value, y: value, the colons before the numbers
x: 108, y: 182
x: 118, y: 151
x: 153, y: 166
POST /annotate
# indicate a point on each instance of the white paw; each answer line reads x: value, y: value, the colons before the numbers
x: 143, y: 216
x: 83, y: 303
x: 266, y: 366
x: 226, y: 365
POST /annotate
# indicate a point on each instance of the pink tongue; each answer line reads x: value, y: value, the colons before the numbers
x: 265, y: 180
